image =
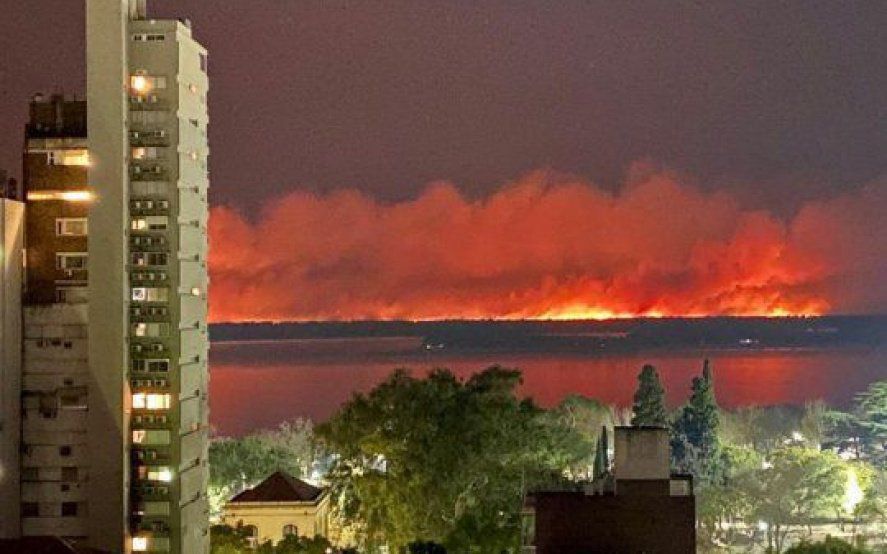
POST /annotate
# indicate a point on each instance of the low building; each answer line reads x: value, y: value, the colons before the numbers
x: 280, y: 505
x: 638, y: 506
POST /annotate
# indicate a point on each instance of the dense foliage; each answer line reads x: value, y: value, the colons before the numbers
x: 444, y: 460
x: 436, y: 464
x: 239, y: 463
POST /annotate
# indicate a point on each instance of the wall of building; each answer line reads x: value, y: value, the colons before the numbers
x: 269, y: 518
x: 106, y: 79
x: 168, y: 186
x: 641, y: 453
x: 11, y: 240
x: 54, y: 461
x: 575, y: 523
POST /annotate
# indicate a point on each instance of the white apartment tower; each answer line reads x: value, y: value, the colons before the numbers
x: 147, y: 334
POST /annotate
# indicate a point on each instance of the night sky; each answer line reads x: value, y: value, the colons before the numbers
x: 775, y: 106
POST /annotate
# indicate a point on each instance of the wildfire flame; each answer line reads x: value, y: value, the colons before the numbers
x: 546, y: 247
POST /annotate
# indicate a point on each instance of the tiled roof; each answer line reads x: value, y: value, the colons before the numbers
x: 280, y: 487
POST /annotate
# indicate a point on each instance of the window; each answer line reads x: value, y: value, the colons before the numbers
x: 139, y: 544
x: 161, y: 474
x: 290, y: 529
x: 150, y: 329
x: 30, y: 474
x: 150, y: 401
x: 149, y: 258
x: 72, y: 400
x: 154, y: 508
x: 69, y: 474
x: 30, y: 509
x: 150, y: 294
x: 65, y: 451
x: 71, y: 295
x: 204, y: 62
x: 68, y: 156
x: 150, y: 223
x: 141, y: 84
x: 72, y: 261
x: 144, y: 153
x: 69, y: 509
x: 148, y: 37
x: 71, y: 226
x: 150, y: 365
x: 150, y: 436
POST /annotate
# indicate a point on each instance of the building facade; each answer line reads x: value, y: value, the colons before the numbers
x: 636, y: 507
x: 11, y: 242
x: 54, y: 371
x: 148, y: 340
x: 282, y: 505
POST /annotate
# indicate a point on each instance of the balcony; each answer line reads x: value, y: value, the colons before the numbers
x: 149, y: 137
x: 148, y: 102
x: 148, y: 172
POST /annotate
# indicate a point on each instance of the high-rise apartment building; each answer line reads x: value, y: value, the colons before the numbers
x: 103, y: 367
x: 148, y: 341
x: 54, y: 370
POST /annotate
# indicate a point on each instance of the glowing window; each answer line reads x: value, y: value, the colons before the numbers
x: 141, y: 84
x: 68, y: 156
x: 63, y: 195
x: 150, y: 401
x: 159, y: 473
x: 144, y: 153
x: 139, y: 544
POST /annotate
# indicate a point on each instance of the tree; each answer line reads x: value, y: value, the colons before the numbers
x: 238, y: 463
x: 830, y: 545
x: 584, y: 418
x: 795, y: 486
x: 649, y: 400
x: 224, y: 539
x: 441, y: 459
x: 294, y: 544
x: 720, y: 506
x: 872, y: 408
x: 695, y: 432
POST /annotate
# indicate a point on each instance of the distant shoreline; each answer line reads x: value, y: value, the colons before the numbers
x: 617, y: 336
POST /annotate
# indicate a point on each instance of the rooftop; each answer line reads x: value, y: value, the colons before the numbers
x: 280, y: 487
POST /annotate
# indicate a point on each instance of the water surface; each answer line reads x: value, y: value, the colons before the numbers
x: 261, y: 383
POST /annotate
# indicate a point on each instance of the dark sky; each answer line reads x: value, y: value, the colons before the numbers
x: 777, y: 101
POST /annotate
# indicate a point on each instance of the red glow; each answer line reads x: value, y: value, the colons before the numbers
x: 549, y: 248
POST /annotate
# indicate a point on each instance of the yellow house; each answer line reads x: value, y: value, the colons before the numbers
x: 278, y: 506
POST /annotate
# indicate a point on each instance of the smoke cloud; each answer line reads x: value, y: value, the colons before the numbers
x: 547, y: 246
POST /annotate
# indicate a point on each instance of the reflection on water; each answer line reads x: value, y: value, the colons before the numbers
x: 259, y: 384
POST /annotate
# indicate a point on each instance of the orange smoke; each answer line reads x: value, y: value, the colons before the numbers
x: 546, y: 247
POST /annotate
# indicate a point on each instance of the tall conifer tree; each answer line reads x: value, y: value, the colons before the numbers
x: 649, y: 400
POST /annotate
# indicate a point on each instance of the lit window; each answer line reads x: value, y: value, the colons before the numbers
x: 150, y: 329
x: 159, y: 473
x: 71, y: 226
x: 150, y: 401
x: 63, y: 195
x: 144, y: 153
x: 193, y: 88
x: 141, y: 84
x: 139, y: 544
x: 68, y: 156
x: 195, y: 291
